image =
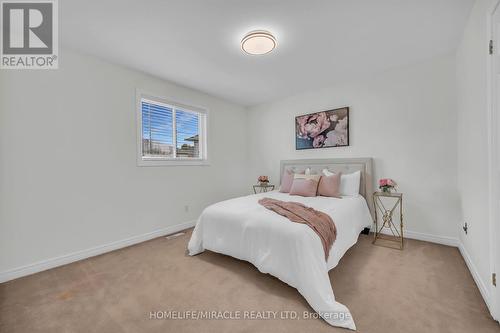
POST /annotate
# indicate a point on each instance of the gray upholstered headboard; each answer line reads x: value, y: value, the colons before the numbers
x: 344, y: 165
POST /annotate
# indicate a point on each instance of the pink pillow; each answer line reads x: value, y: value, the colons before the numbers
x: 287, y: 180
x: 304, y: 187
x: 329, y: 186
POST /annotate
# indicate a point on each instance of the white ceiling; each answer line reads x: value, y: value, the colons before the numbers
x: 196, y: 43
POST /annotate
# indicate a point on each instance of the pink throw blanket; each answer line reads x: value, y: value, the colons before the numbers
x: 320, y: 222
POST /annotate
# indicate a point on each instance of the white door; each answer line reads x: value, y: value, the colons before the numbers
x: 494, y: 133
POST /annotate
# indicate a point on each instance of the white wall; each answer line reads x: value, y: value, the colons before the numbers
x: 472, y: 139
x: 405, y: 119
x: 68, y: 174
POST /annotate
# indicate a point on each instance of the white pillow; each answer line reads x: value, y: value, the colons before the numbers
x: 316, y: 178
x: 349, y: 183
x: 327, y: 172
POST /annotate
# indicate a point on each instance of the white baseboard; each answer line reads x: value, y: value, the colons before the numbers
x: 475, y: 275
x: 444, y: 240
x: 79, y: 255
x: 94, y: 251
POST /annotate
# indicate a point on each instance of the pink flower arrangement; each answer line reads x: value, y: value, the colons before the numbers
x: 263, y: 179
x: 386, y: 184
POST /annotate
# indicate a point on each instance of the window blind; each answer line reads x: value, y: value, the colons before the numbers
x: 169, y: 132
x: 157, y: 130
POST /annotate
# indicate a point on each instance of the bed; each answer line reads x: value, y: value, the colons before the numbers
x: 292, y: 252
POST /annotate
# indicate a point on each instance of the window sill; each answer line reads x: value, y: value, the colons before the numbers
x: 164, y: 162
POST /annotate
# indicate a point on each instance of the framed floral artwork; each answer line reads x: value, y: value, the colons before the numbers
x: 322, y: 129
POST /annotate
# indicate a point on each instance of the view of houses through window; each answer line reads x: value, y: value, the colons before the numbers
x: 169, y: 132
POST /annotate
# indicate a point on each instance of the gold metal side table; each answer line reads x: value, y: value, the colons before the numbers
x: 262, y: 188
x: 394, y: 200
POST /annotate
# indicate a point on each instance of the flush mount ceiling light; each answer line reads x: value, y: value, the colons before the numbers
x: 258, y: 42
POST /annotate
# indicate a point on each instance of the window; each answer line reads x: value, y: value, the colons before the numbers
x: 170, y: 133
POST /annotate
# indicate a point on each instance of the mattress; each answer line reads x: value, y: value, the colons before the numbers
x: 290, y: 251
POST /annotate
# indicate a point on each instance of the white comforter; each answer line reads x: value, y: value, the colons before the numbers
x: 290, y: 251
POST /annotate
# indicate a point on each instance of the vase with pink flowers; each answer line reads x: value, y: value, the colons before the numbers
x: 387, y: 185
x: 263, y: 180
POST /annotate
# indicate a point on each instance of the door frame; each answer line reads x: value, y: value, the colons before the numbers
x: 493, y: 133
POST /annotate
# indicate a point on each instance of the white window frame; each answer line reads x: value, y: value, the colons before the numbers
x: 174, y: 104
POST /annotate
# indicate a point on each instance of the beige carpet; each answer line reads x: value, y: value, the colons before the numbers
x: 425, y: 288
